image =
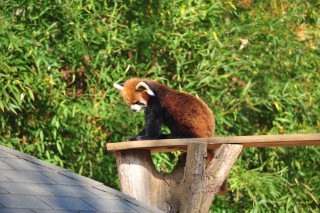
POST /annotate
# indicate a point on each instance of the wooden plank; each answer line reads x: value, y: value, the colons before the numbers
x: 170, y: 145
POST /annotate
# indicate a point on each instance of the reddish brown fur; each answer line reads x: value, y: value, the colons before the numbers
x: 129, y: 92
x: 192, y: 114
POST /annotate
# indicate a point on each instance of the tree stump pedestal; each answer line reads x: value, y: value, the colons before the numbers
x: 190, y: 187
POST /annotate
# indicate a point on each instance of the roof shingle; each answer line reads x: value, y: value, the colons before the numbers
x: 31, y: 185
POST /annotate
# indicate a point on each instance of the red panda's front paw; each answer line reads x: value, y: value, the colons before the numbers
x: 131, y: 139
x: 145, y: 137
x: 137, y: 138
x: 140, y: 138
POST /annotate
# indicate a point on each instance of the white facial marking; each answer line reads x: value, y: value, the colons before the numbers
x: 136, y: 107
x: 143, y: 101
x: 118, y: 86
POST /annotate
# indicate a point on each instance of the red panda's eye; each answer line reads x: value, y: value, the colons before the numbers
x: 138, y: 103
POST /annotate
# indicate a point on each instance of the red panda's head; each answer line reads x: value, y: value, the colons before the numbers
x: 136, y: 93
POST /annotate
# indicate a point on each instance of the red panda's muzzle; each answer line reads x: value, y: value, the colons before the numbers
x: 137, y: 107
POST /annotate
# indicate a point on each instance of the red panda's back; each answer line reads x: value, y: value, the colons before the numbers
x: 192, y: 115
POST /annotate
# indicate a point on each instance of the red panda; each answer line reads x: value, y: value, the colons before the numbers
x: 185, y: 115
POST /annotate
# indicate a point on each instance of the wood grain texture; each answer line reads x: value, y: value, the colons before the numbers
x: 139, y: 179
x: 193, y: 194
x: 218, y: 170
x: 189, y: 188
x: 170, y: 145
x: 192, y: 185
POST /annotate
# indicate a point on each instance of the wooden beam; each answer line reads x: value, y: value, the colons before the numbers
x: 170, y: 145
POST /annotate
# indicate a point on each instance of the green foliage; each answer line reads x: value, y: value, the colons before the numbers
x: 256, y: 63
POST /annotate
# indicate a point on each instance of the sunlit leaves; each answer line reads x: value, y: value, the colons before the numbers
x: 255, y: 63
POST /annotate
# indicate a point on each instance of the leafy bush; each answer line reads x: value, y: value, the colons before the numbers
x: 254, y: 62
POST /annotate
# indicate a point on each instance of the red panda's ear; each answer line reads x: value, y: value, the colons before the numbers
x: 119, y: 86
x: 144, y: 87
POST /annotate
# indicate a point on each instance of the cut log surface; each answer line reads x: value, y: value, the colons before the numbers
x: 170, y: 145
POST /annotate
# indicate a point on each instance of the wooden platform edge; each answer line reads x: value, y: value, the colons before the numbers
x: 170, y: 145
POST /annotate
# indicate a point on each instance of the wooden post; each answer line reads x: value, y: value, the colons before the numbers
x: 201, y: 183
x: 193, y: 191
x: 190, y: 187
x: 218, y: 170
x: 139, y: 178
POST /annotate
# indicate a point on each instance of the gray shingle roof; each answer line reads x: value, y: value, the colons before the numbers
x: 31, y: 185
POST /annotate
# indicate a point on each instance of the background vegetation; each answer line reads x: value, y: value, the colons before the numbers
x: 256, y: 63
